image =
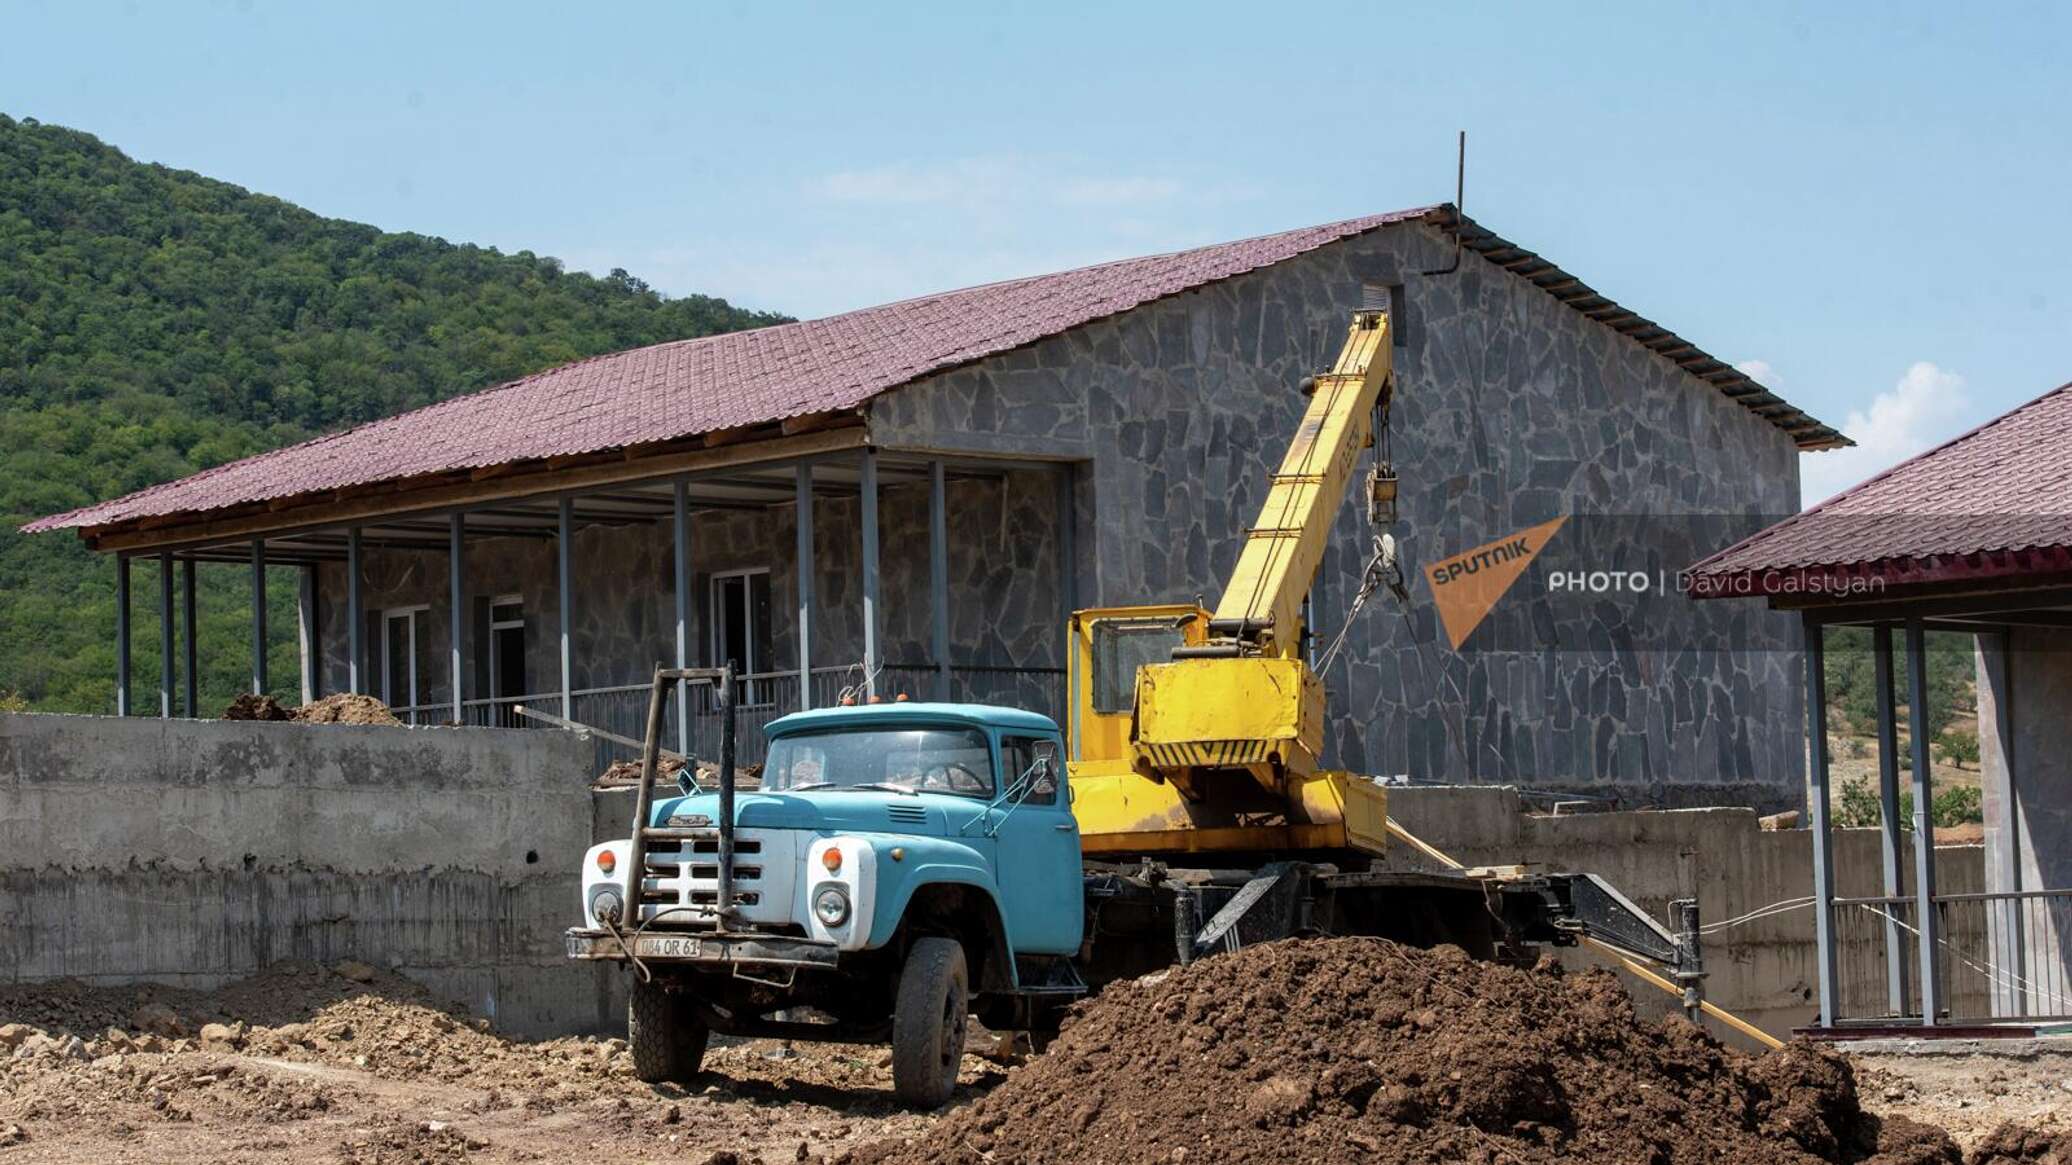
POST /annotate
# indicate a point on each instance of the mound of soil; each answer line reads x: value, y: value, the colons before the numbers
x: 346, y: 708
x: 251, y: 707
x: 2012, y: 1144
x: 627, y: 772
x: 1331, y: 1050
x: 343, y: 708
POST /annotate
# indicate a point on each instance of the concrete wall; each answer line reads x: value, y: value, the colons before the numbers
x: 1511, y: 410
x: 197, y: 852
x: 2025, y: 760
x: 1766, y: 970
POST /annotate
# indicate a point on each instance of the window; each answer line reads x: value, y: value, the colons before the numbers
x: 1021, y: 754
x: 507, y: 680
x: 741, y: 628
x: 1119, y: 649
x: 924, y: 760
x: 405, y: 654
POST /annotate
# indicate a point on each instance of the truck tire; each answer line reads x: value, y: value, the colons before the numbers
x: 666, y: 1040
x: 928, y: 1022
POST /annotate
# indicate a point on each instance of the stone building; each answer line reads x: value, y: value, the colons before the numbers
x: 931, y: 486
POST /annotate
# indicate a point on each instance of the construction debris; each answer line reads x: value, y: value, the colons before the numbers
x: 627, y: 772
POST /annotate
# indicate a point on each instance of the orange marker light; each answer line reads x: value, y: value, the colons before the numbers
x: 832, y: 859
x: 605, y: 861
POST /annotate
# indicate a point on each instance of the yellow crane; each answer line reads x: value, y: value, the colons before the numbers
x: 1199, y: 731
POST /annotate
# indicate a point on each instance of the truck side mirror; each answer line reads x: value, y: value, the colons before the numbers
x: 1044, y: 783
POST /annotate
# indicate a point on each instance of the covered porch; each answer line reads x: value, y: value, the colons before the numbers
x: 816, y: 570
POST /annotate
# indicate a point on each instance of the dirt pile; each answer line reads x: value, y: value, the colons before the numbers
x: 248, y: 706
x: 343, y: 708
x: 346, y: 708
x: 1332, y: 1050
x: 627, y: 772
x: 2012, y: 1144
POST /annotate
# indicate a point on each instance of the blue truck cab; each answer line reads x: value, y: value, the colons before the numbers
x: 899, y: 865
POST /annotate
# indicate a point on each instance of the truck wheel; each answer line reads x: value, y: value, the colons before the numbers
x: 928, y: 1022
x: 667, y: 1041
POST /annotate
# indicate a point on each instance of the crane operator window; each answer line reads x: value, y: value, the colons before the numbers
x: 1119, y: 649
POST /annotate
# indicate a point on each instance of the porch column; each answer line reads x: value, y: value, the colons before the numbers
x: 1995, y: 652
x: 564, y: 526
x: 1888, y: 813
x: 939, y: 579
x: 122, y: 635
x: 1924, y: 824
x: 187, y: 640
x: 1817, y: 815
x: 258, y: 616
x: 165, y: 636
x: 869, y: 487
x: 680, y: 553
x: 307, y: 644
x: 355, y: 619
x: 1068, y: 595
x: 802, y: 502
x: 456, y: 608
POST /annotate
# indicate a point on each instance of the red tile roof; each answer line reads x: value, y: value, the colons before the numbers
x: 1995, y: 501
x: 689, y: 387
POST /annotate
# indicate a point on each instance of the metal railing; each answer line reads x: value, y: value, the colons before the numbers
x: 622, y: 708
x: 1998, y: 957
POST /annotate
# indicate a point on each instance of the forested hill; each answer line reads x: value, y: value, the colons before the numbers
x: 154, y: 322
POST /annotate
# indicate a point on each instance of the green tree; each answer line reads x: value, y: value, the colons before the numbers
x: 154, y: 323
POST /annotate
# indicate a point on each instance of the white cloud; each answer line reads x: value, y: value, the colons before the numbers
x: 1928, y: 405
x: 1760, y: 372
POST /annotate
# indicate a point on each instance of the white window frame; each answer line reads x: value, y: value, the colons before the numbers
x: 715, y: 641
x: 411, y: 613
x: 496, y: 625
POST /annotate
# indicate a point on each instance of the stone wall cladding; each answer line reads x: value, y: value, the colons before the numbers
x: 1511, y: 409
x: 1006, y: 604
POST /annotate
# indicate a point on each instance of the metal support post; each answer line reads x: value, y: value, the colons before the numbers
x: 802, y: 501
x: 869, y: 490
x: 122, y: 635
x: 563, y: 555
x: 355, y: 618
x: 1889, y: 831
x: 188, y: 643
x: 258, y: 616
x: 1818, y: 816
x: 165, y: 636
x: 939, y: 578
x: 680, y: 556
x: 1925, y: 920
x: 456, y: 610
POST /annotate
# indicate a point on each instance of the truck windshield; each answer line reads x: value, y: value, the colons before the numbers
x: 932, y: 760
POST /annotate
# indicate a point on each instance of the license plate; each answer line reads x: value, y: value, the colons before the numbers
x: 667, y: 946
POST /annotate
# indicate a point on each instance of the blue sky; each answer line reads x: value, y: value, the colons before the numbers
x: 1865, y: 204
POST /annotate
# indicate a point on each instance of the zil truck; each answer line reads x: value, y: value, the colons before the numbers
x: 901, y: 866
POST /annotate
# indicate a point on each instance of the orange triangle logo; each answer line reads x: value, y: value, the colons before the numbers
x: 1467, y: 585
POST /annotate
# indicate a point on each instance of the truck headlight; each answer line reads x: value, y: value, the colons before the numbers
x: 607, y: 905
x: 831, y: 906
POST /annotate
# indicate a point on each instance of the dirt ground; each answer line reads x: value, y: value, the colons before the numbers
x: 352, y: 1064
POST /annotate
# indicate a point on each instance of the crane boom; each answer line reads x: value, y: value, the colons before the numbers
x: 1261, y: 607
x: 1200, y: 731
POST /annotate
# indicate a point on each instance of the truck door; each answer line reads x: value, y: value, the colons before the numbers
x: 1038, y: 847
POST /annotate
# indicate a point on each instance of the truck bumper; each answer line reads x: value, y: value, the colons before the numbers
x: 704, y: 949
